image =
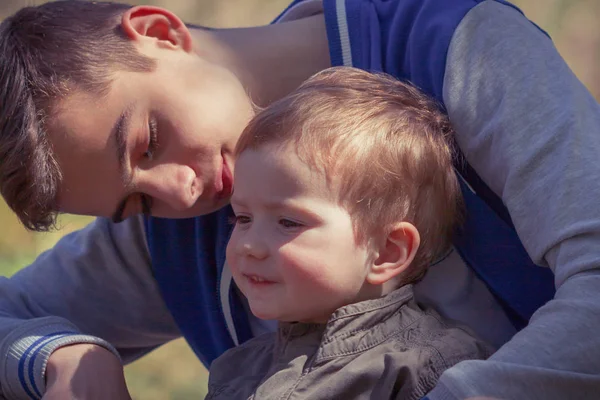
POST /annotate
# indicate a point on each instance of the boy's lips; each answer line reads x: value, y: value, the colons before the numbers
x: 225, y: 183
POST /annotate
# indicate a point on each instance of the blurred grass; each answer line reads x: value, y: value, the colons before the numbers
x: 172, y: 372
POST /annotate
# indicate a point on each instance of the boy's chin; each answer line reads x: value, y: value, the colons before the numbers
x: 197, y: 210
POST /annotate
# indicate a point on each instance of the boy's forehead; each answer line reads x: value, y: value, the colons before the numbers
x: 80, y: 122
x: 79, y: 131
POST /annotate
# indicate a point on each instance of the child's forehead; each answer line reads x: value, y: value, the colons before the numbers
x: 284, y: 172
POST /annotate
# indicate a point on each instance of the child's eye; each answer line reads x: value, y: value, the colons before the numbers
x: 152, y: 139
x: 288, y: 223
x: 241, y: 219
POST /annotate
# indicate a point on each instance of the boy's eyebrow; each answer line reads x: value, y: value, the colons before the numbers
x: 120, y: 133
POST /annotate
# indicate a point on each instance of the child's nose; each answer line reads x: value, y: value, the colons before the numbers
x: 253, y: 248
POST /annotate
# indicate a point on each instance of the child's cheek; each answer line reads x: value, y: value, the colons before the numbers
x: 233, y: 259
x: 305, y: 267
x: 230, y: 253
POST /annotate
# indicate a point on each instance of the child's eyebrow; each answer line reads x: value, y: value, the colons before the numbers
x: 278, y: 205
x: 292, y: 206
x: 235, y: 198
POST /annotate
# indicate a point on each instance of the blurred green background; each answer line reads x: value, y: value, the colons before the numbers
x: 172, y: 372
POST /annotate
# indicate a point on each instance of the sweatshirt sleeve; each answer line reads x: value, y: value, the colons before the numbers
x: 94, y: 286
x: 531, y: 131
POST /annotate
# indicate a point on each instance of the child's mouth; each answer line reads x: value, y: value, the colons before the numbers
x: 258, y: 280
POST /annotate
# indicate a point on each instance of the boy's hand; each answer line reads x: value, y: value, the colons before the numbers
x: 84, y: 371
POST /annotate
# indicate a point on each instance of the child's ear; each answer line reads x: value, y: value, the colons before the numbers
x: 159, y: 24
x: 394, y: 253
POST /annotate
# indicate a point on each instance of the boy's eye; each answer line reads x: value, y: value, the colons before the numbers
x: 288, y: 223
x: 152, y: 139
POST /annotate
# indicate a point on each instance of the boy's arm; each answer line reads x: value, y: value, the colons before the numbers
x: 95, y: 286
x: 532, y: 132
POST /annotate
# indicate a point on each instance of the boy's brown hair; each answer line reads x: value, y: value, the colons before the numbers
x: 45, y: 52
x: 382, y: 144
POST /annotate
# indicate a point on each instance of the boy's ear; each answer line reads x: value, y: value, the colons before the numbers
x: 157, y: 23
x: 394, y: 253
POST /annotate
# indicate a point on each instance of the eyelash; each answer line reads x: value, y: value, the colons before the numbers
x: 244, y: 219
x: 153, y: 139
x: 289, y: 224
x: 239, y: 219
x: 145, y: 200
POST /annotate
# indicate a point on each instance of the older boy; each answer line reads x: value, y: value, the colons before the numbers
x: 344, y: 195
x: 111, y: 110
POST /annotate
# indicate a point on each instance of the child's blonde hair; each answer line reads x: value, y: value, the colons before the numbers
x: 381, y: 143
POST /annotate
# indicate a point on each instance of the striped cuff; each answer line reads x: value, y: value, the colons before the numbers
x: 27, y: 351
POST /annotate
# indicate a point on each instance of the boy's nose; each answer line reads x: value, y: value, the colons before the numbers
x: 177, y: 186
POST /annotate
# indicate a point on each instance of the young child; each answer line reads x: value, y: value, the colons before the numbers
x: 111, y: 110
x: 344, y: 195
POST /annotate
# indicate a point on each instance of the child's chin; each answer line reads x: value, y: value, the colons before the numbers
x: 265, y: 314
x: 273, y: 316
